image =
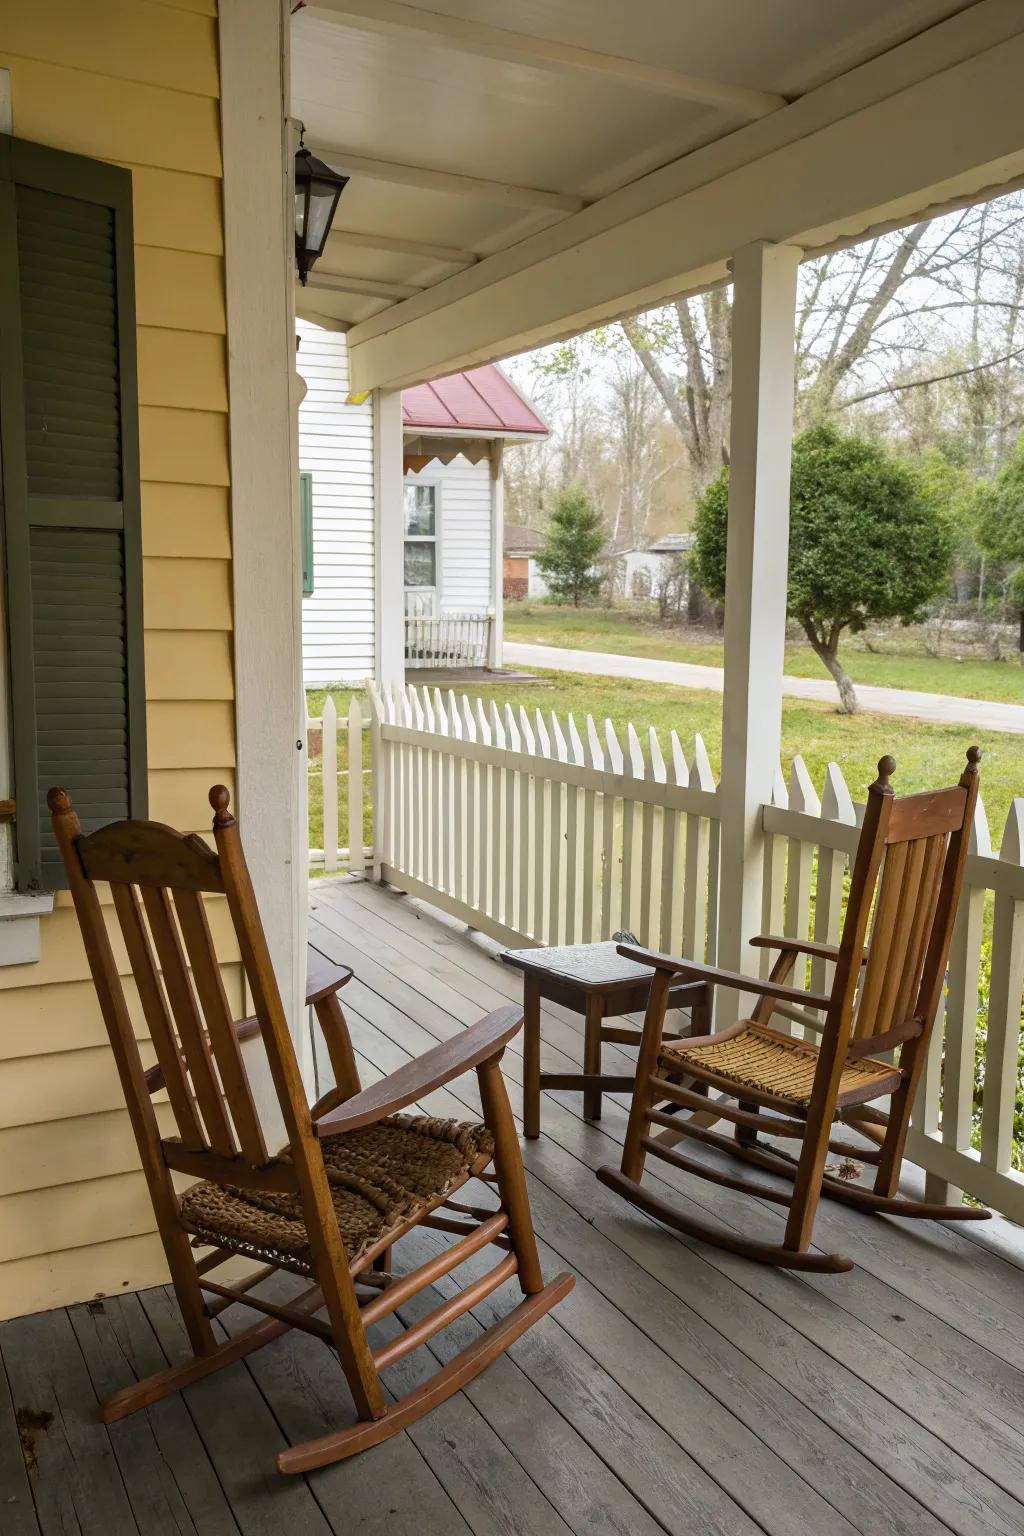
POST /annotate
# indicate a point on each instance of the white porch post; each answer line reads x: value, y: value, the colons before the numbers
x: 388, y: 525
x: 495, y: 645
x: 763, y: 342
x: 266, y: 558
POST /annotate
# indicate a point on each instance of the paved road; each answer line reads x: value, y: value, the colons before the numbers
x: 940, y: 708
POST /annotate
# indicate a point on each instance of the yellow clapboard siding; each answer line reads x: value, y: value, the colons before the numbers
x: 178, y: 796
x: 65, y: 1017
x: 92, y: 1211
x: 176, y: 209
x: 94, y: 115
x: 186, y: 521
x: 188, y: 446
x: 201, y: 7
x: 88, y: 1146
x: 187, y: 735
x: 98, y: 1269
x: 179, y: 290
x: 187, y: 595
x: 188, y: 664
x: 75, y: 1083
x: 186, y: 369
x: 159, y: 46
x: 62, y: 957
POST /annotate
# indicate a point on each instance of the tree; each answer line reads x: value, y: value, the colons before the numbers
x: 1000, y: 525
x: 574, y: 540
x: 867, y: 541
x: 865, y: 331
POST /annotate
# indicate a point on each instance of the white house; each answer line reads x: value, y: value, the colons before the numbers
x: 454, y: 432
x: 644, y: 568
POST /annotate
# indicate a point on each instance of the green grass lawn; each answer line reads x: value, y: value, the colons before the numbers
x: 927, y: 755
x: 899, y: 663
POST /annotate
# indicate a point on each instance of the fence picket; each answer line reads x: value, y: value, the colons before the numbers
x: 773, y: 890
x: 799, y: 870
x: 836, y: 805
x: 1004, y: 1005
x: 356, y: 839
x: 961, y: 1022
x: 696, y: 882
x: 611, y: 894
x: 593, y: 872
x: 329, y: 765
x: 672, y: 860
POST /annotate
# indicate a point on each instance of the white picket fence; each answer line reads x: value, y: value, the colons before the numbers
x: 539, y: 830
x: 452, y: 640
x: 355, y: 767
x: 535, y: 831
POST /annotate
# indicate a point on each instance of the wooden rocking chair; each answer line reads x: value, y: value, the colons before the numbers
x: 883, y: 1000
x: 356, y: 1175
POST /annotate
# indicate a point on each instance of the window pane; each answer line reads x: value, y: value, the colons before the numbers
x: 419, y: 565
x: 419, y: 510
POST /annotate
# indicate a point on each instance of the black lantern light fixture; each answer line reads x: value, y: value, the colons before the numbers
x: 317, y: 189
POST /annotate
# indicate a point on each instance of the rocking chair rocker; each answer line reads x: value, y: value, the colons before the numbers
x: 882, y: 1004
x: 356, y: 1175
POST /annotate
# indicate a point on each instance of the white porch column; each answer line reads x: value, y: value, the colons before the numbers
x: 266, y: 557
x: 763, y: 341
x: 494, y: 651
x: 388, y: 529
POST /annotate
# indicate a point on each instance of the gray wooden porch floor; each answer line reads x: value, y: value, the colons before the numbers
x: 676, y: 1390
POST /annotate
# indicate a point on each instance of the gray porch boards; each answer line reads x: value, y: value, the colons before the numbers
x: 676, y: 1390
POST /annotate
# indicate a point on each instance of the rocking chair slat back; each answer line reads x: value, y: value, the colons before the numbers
x: 195, y: 1045
x: 905, y: 909
x: 227, y: 1052
x: 158, y: 1017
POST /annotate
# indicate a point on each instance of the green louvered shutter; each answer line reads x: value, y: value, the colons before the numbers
x: 69, y: 432
x: 306, y: 513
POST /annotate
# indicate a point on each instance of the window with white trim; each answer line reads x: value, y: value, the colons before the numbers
x: 421, y: 530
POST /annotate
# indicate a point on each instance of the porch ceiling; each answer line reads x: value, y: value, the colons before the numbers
x: 587, y: 118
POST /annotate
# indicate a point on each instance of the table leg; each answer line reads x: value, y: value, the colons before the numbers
x: 592, y: 1054
x: 531, y: 1058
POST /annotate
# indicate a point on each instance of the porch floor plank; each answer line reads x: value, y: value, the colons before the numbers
x: 678, y: 1388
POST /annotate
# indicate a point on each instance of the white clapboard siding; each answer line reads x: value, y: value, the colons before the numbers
x: 336, y: 447
x: 465, y: 501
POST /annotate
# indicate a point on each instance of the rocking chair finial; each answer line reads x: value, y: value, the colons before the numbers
x: 886, y: 769
x: 220, y: 799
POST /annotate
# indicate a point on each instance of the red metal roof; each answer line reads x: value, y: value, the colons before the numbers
x: 477, y: 400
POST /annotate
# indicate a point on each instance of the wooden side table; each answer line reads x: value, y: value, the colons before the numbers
x: 598, y: 982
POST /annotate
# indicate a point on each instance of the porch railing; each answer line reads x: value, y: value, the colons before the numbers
x: 532, y: 829
x: 453, y: 640
x: 536, y: 829
x: 338, y: 788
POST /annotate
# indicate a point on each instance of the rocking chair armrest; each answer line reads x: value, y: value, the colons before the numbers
x: 323, y: 977
x: 475, y: 1045
x: 801, y: 946
x: 714, y: 976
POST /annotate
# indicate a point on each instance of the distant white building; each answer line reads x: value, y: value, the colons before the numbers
x: 454, y: 432
x: 644, y: 568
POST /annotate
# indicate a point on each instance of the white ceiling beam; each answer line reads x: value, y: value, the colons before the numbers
x: 363, y: 242
x: 394, y: 19
x: 501, y: 192
x: 367, y: 287
x: 868, y: 148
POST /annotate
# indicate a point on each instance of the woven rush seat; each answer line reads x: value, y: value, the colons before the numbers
x: 762, y: 1060
x: 380, y: 1175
